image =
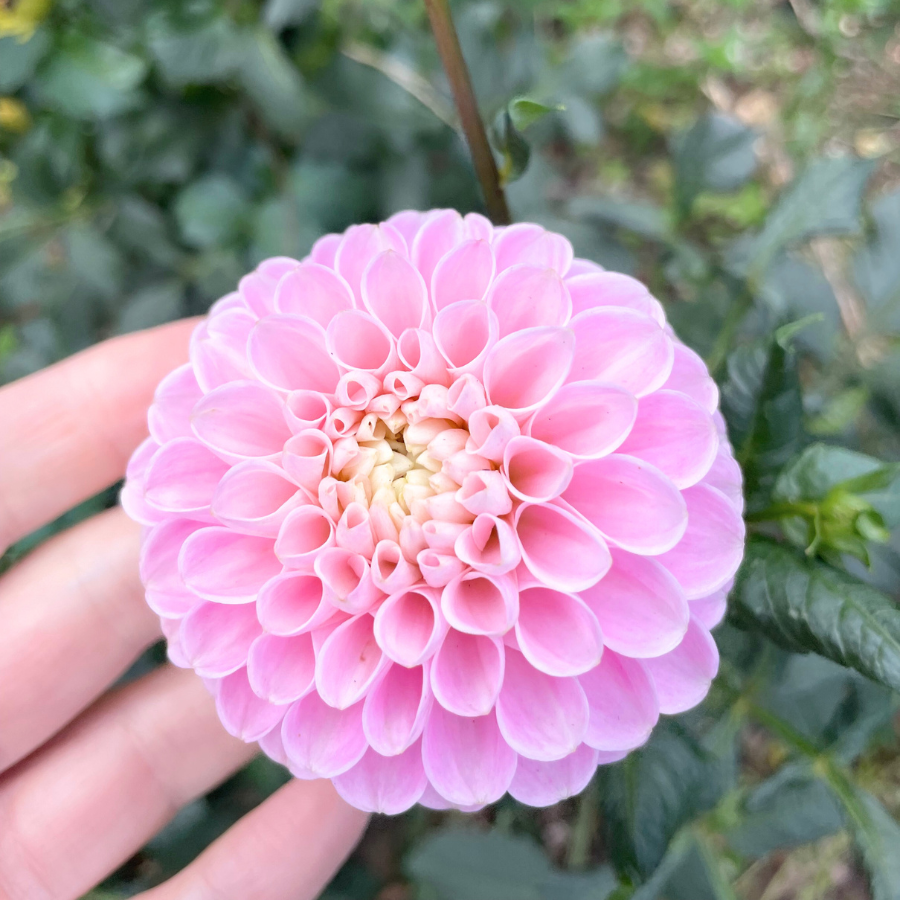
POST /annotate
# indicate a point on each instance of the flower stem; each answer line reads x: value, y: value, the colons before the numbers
x: 458, y: 75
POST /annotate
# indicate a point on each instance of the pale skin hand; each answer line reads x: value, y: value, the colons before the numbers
x: 88, y: 775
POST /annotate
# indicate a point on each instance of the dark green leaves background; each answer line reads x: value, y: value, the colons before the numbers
x: 740, y: 157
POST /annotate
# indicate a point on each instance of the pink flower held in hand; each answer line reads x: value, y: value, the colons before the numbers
x: 440, y: 512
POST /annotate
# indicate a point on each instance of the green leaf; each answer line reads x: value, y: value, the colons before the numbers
x: 211, y: 211
x: 644, y: 219
x: 594, y: 65
x: 472, y: 865
x: 524, y: 111
x: 805, y: 605
x: 825, y: 199
x: 19, y: 59
x: 876, y: 266
x: 596, y: 885
x: 88, y: 79
x: 510, y: 143
x: 715, y: 154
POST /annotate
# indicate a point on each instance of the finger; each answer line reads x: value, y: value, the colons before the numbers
x: 80, y: 806
x: 288, y: 848
x: 73, y: 618
x: 68, y: 430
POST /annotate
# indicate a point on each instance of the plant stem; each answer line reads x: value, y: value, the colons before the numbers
x: 458, y: 75
x: 583, y: 829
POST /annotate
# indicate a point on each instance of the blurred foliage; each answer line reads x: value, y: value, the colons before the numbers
x: 742, y: 157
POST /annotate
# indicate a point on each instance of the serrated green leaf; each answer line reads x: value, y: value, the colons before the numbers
x: 808, y: 606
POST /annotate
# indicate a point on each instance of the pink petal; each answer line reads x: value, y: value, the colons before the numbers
x: 711, y: 549
x: 478, y: 226
x: 583, y: 267
x: 292, y: 603
x: 282, y: 669
x: 525, y: 369
x: 674, y: 434
x: 545, y: 783
x: 258, y: 293
x: 481, y: 604
x: 464, y: 333
x: 305, y: 532
x: 641, y: 608
x: 466, y: 759
x: 171, y: 629
x: 359, y: 341
x: 255, y: 496
x: 216, y: 638
x: 182, y: 477
x: 559, y: 548
x: 437, y: 237
x: 690, y: 376
x: 306, y: 409
x: 540, y: 717
x: 725, y: 475
x: 349, y: 663
x: 489, y: 545
x: 314, y: 291
x: 170, y: 415
x: 289, y: 353
x: 467, y: 672
x: 439, y: 569
x: 529, y: 243
x: 622, y: 701
x: 408, y: 222
x: 276, y: 267
x: 218, y: 348
x: 621, y: 347
x: 536, y: 471
x: 409, y: 626
x: 466, y: 396
x: 485, y: 492
x: 630, y: 501
x: 272, y: 745
x: 347, y: 575
x: 324, y: 249
x: 612, y: 289
x: 682, y: 677
x: 357, y: 389
x: 307, y: 458
x: 382, y: 784
x: 557, y: 633
x: 586, y: 419
x: 165, y: 590
x: 221, y: 565
x: 526, y: 296
x: 396, y: 709
x: 465, y: 273
x: 241, y: 420
x: 321, y: 739
x: 394, y: 292
x: 391, y: 571
x: 491, y: 429
x: 244, y: 714
x: 131, y: 496
x: 359, y: 245
x: 709, y: 611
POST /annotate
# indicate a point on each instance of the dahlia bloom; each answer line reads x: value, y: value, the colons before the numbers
x: 440, y: 512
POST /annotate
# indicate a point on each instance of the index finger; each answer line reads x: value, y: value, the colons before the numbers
x: 68, y: 430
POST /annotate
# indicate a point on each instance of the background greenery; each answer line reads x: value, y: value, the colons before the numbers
x: 740, y: 156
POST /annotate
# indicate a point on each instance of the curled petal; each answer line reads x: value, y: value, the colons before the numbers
x: 630, y: 501
x: 690, y: 376
x: 545, y: 783
x: 438, y: 569
x: 307, y: 458
x: 255, y: 496
x: 467, y: 760
x: 243, y: 714
x: 485, y: 492
x: 557, y: 633
x: 491, y: 429
x: 682, y: 676
x: 322, y: 740
x: 465, y: 396
x: 525, y: 369
x: 358, y: 341
x: 594, y: 289
x: 403, y: 385
x: 467, y: 672
x: 349, y: 663
x: 170, y: 415
x: 281, y: 669
x: 306, y: 409
x: 221, y: 565
x: 710, y: 552
x: 216, y: 638
x: 586, y: 419
x: 641, y: 608
x: 357, y: 389
x: 396, y: 709
x: 241, y: 420
x: 407, y: 223
x: 621, y: 347
x: 622, y: 702
x: 314, y: 291
x: 384, y: 784
x: 464, y: 333
x: 489, y: 545
x: 535, y: 471
x: 527, y: 296
x: 305, y: 532
x: 465, y: 273
x: 293, y: 603
x: 348, y: 577
x: 289, y: 353
x: 541, y: 717
x: 674, y: 434
x: 409, y: 626
x: 391, y: 571
x: 359, y: 245
x: 418, y: 351
x: 182, y: 477
x: 440, y: 234
x: 526, y: 242
x: 560, y: 548
x: 481, y: 604
x: 394, y: 292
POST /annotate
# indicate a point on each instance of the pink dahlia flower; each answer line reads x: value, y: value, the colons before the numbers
x: 440, y: 512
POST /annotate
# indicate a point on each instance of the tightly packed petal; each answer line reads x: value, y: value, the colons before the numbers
x: 440, y: 512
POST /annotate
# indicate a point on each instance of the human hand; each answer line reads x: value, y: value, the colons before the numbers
x: 86, y: 777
